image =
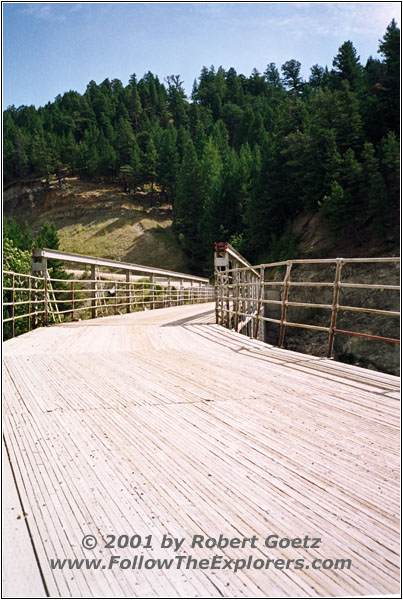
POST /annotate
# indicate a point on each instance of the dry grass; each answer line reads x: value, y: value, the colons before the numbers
x: 101, y: 220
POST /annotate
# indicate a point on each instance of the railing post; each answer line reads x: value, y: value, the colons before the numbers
x: 12, y: 305
x: 249, y: 327
x: 45, y: 290
x: 260, y: 304
x: 128, y: 293
x: 227, y: 300
x: 236, y: 307
x: 243, y: 303
x: 222, y: 290
x: 94, y: 292
x: 72, y: 300
x: 35, y: 319
x: 335, y: 306
x: 152, y: 292
x: 286, y: 287
x: 29, y: 303
x: 216, y: 295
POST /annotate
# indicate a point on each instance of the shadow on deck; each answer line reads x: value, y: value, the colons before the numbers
x: 162, y: 423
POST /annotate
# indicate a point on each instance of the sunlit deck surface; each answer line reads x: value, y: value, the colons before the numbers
x: 162, y: 422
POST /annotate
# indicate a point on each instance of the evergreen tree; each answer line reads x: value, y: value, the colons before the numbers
x: 188, y: 206
x: 272, y: 75
x: 374, y: 188
x: 348, y: 123
x: 291, y: 75
x: 240, y: 159
x: 168, y: 162
x: 390, y: 168
x: 347, y: 67
x: 317, y: 77
x: 150, y: 165
x: 390, y: 49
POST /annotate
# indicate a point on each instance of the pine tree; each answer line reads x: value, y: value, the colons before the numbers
x: 390, y: 167
x: 136, y: 165
x: 390, y: 49
x: 168, y: 162
x: 374, y: 188
x: 124, y: 141
x: 334, y: 207
x: 149, y: 163
x: 317, y: 77
x: 347, y: 67
x: 272, y: 75
x: 348, y: 122
x: 188, y: 206
x: 291, y: 76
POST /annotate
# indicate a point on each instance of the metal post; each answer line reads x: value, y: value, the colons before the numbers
x: 29, y: 303
x: 45, y: 290
x: 216, y: 295
x: 94, y: 291
x: 236, y: 307
x: 249, y: 310
x: 243, y: 305
x: 284, y: 303
x: 152, y: 292
x: 116, y: 298
x: 227, y: 297
x: 12, y: 305
x: 128, y: 292
x: 259, y: 302
x: 72, y: 300
x: 335, y: 306
x: 35, y: 319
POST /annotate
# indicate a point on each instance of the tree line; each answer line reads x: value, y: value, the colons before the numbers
x: 241, y: 157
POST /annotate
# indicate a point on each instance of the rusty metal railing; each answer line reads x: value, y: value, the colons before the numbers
x: 241, y: 296
x: 36, y: 300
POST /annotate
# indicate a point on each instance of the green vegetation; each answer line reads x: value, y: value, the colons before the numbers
x: 239, y: 159
x: 17, y: 261
x: 17, y: 247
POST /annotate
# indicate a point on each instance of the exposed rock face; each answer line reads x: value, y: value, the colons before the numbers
x: 372, y: 354
x: 20, y: 200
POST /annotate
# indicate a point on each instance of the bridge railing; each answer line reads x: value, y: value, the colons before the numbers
x: 247, y: 297
x: 31, y: 300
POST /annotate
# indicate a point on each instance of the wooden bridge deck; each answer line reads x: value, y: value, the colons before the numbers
x: 163, y: 423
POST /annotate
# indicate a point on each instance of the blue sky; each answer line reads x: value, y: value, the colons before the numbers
x: 50, y: 48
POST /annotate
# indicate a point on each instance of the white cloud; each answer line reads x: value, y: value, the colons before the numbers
x: 43, y: 11
x: 333, y: 19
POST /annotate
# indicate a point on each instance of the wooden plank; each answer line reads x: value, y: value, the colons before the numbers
x: 129, y: 424
x: 18, y: 552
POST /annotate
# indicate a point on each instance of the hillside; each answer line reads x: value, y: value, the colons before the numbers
x: 100, y: 220
x: 242, y: 159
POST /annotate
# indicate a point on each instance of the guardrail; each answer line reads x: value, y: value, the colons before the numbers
x: 40, y: 299
x: 241, y: 296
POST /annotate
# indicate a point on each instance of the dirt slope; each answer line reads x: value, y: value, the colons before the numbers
x: 100, y: 220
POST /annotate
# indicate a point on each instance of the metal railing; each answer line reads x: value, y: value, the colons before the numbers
x: 242, y: 295
x: 36, y: 300
x: 23, y: 299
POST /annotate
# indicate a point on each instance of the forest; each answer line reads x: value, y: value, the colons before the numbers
x: 241, y: 157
